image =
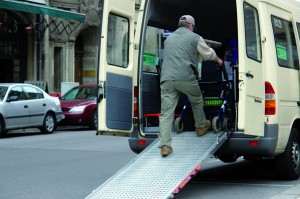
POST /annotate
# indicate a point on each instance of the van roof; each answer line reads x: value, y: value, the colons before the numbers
x: 289, y: 5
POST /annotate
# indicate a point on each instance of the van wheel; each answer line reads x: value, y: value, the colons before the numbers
x: 94, y: 121
x: 216, y: 124
x: 49, y: 124
x: 288, y: 163
x: 178, y: 125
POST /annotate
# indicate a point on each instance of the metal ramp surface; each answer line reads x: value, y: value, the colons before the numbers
x: 151, y: 176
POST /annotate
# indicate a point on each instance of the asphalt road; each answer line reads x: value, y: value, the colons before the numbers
x: 70, y: 164
x: 63, y: 165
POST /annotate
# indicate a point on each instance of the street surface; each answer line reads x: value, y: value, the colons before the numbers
x: 71, y: 163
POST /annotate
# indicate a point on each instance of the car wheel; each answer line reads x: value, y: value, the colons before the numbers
x: 94, y: 121
x: 2, y: 128
x: 49, y: 124
x: 288, y: 163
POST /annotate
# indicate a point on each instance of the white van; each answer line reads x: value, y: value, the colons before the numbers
x: 259, y: 39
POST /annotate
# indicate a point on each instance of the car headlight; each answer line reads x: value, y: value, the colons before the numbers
x: 77, y: 109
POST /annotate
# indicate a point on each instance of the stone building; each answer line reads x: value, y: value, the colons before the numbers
x: 47, y: 44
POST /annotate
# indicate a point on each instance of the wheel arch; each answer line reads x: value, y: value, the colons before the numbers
x: 3, y: 122
x: 296, y: 125
x: 52, y: 113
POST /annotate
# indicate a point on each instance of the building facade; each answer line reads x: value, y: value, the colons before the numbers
x: 48, y: 47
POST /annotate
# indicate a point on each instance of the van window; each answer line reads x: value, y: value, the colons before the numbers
x: 153, y: 49
x: 118, y: 41
x: 285, y: 43
x: 252, y: 33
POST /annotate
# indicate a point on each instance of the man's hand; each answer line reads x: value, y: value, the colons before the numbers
x: 219, y: 61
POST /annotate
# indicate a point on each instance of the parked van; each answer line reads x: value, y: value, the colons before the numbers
x: 259, y: 41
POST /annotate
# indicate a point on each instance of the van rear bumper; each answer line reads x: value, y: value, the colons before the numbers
x: 135, y: 139
x: 242, y: 144
x: 237, y: 143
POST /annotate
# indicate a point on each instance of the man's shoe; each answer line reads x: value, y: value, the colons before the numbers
x: 166, y: 150
x: 202, y: 131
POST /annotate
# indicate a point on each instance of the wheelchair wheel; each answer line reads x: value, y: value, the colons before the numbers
x: 225, y: 123
x: 216, y: 124
x: 178, y: 125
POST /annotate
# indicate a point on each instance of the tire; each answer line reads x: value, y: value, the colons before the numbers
x: 49, y: 124
x: 225, y: 123
x: 94, y: 121
x: 2, y: 128
x: 288, y: 163
x: 178, y: 125
x: 216, y: 124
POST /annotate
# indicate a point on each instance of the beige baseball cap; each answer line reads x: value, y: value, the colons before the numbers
x: 188, y: 19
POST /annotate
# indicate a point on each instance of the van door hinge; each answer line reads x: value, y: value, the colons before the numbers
x: 257, y: 101
x: 136, y: 46
x: 101, y: 91
x: 249, y: 75
x: 136, y: 120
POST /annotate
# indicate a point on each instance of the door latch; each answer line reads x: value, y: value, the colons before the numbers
x: 248, y: 74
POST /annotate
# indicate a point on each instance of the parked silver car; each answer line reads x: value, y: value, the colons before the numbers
x: 27, y: 106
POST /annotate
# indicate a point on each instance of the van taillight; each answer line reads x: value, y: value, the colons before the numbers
x: 142, y: 142
x: 270, y: 102
x: 135, y: 100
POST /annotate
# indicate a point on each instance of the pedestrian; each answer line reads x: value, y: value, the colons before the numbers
x: 183, y: 49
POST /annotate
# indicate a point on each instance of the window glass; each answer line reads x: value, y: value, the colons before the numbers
x: 58, y: 67
x: 81, y: 93
x: 40, y: 94
x: 153, y: 49
x: 32, y: 93
x: 285, y: 43
x: 118, y: 41
x: 3, y: 90
x: 71, y: 94
x: 252, y: 33
x: 17, y: 91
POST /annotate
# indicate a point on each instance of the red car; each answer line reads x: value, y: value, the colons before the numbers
x: 79, y: 106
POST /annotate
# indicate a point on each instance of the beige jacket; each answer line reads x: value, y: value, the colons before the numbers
x: 205, y: 52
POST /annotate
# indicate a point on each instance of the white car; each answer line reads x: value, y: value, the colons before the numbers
x: 28, y: 106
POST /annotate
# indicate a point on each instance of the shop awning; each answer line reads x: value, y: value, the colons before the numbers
x: 40, y: 9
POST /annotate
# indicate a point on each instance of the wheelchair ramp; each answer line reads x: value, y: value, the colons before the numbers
x: 151, y: 176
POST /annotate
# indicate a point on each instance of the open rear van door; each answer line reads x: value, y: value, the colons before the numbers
x: 115, y: 68
x: 251, y: 85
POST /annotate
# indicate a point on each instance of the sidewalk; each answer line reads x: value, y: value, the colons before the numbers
x: 292, y: 193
